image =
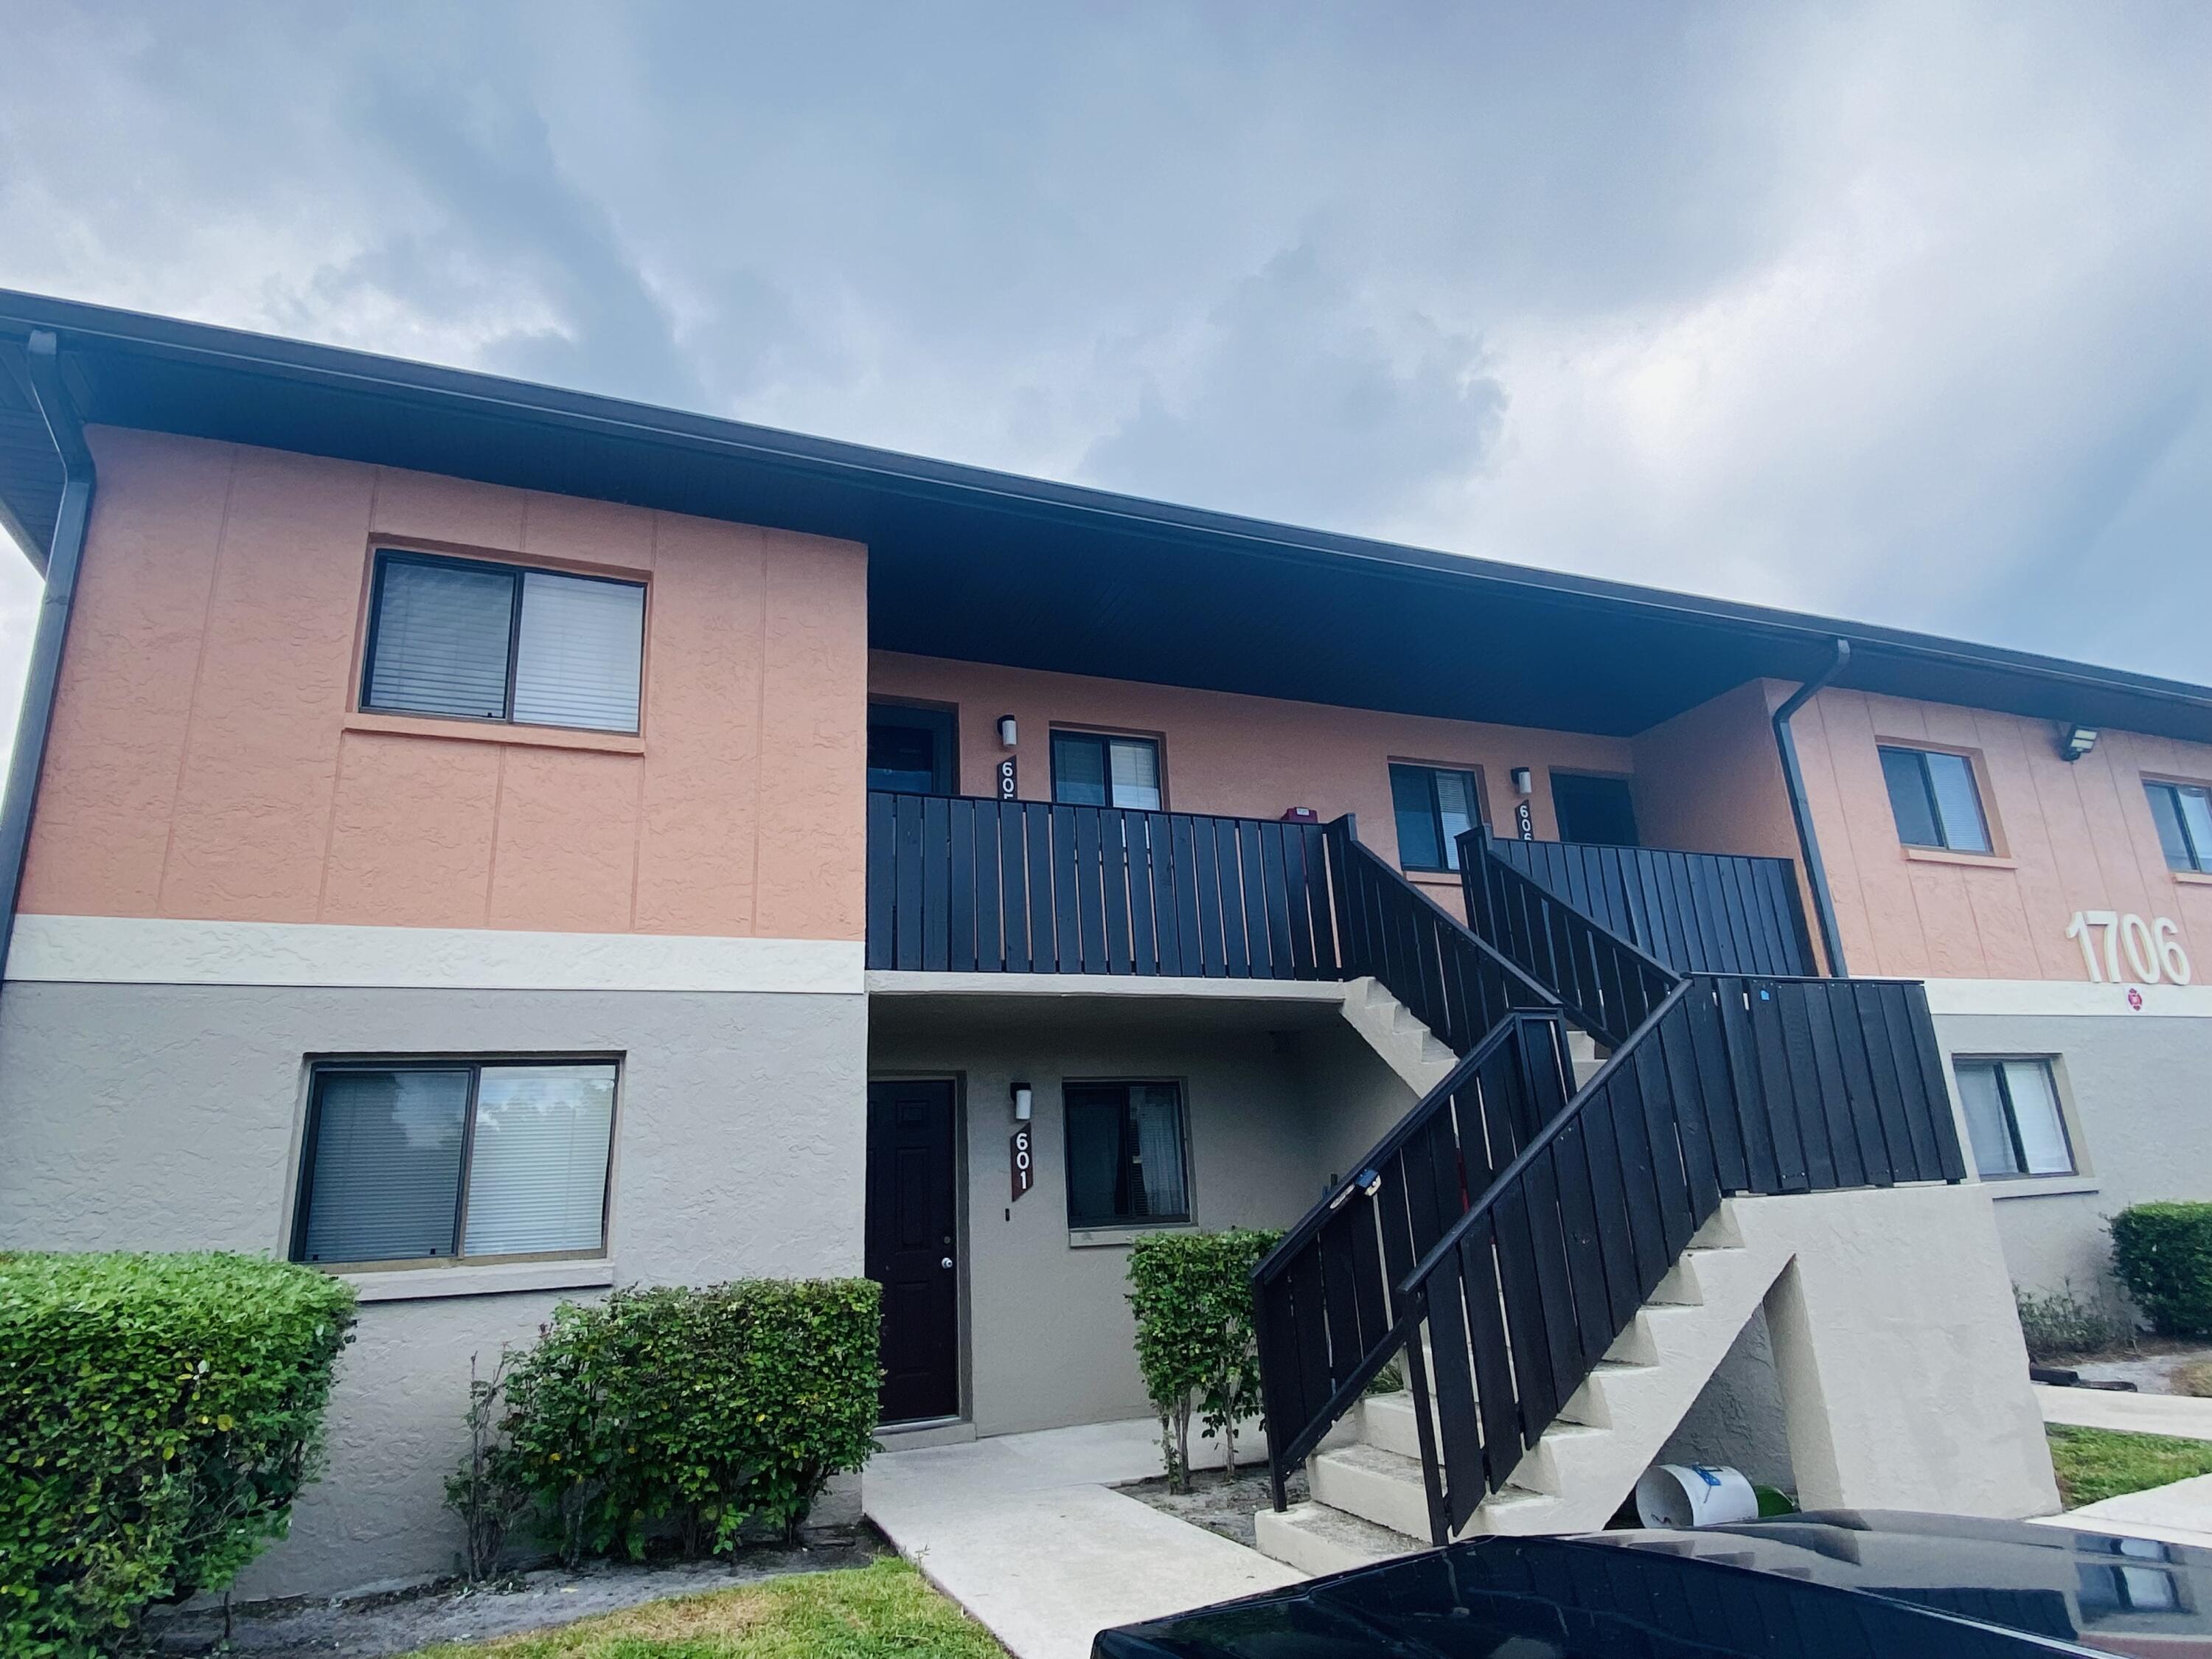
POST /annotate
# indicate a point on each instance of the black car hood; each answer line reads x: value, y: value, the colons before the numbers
x: 1840, y: 1584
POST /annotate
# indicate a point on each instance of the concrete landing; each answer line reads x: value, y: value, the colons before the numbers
x: 1022, y: 1531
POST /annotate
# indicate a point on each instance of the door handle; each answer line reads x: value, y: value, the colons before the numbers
x: 947, y: 1262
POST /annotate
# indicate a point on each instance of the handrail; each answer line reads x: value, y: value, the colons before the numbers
x: 1326, y: 1316
x: 1607, y: 983
x: 1622, y: 1056
x: 1713, y: 913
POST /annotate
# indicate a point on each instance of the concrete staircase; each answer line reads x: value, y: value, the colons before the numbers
x: 1417, y: 1054
x: 1368, y: 1501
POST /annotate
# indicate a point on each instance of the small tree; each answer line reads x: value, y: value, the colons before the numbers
x: 1193, y: 1298
x: 487, y: 1493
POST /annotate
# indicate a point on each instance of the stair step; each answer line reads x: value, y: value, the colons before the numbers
x: 1316, y: 1539
x: 1387, y: 1420
x: 1375, y: 1485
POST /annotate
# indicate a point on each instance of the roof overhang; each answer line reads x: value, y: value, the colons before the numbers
x: 989, y: 566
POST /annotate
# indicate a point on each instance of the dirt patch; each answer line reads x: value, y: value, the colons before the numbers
x: 1223, y: 1506
x: 379, y: 1626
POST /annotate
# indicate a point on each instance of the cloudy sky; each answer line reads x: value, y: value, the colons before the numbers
x: 1899, y: 311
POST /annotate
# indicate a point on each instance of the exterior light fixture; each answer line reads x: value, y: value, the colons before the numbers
x: 1524, y: 781
x: 1024, y: 1102
x: 1006, y: 730
x: 2077, y: 741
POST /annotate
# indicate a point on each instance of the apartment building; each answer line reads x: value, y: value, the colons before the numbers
x: 496, y: 843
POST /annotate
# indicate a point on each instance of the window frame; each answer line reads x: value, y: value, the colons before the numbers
x: 2201, y: 856
x: 1127, y: 1084
x: 1430, y: 768
x: 382, y: 555
x: 1106, y: 737
x: 1993, y: 847
x: 475, y: 1064
x: 2077, y: 1168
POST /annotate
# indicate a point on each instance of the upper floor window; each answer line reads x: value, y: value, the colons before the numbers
x: 486, y: 642
x: 2183, y: 812
x: 2013, y: 1117
x: 1596, y: 810
x: 1933, y: 795
x: 910, y: 749
x: 1435, y: 806
x: 431, y: 1159
x: 1125, y: 1155
x: 1090, y: 769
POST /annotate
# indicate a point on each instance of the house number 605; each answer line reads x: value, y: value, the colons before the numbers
x: 2153, y: 948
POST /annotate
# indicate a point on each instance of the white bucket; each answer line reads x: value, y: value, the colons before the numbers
x: 1677, y: 1495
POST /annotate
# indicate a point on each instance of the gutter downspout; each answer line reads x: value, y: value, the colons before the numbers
x: 1801, y: 810
x: 42, y: 357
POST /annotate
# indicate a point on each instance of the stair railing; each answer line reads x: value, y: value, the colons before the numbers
x: 1327, y: 1316
x: 1456, y: 984
x: 1730, y: 1084
x: 1607, y: 985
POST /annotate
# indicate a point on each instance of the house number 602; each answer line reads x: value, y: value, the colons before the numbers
x: 2154, y: 947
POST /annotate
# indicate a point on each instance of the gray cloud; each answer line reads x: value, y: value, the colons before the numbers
x: 1885, y: 309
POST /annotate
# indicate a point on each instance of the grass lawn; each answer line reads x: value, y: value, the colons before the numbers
x: 2097, y: 1463
x: 882, y: 1611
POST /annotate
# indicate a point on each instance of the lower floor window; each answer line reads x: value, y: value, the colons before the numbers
x: 2013, y: 1117
x: 447, y: 1158
x: 1127, y: 1159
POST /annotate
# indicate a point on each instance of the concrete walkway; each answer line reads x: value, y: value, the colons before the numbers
x: 1023, y: 1532
x: 2131, y: 1413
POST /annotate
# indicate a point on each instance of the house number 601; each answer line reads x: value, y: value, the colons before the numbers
x: 2153, y: 948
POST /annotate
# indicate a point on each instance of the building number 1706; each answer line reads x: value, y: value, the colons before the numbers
x: 2153, y: 948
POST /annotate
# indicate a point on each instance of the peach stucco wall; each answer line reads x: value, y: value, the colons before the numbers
x: 1248, y: 757
x: 2070, y: 836
x: 206, y: 763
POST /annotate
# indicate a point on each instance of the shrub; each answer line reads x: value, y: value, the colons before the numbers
x: 2163, y: 1254
x: 1193, y: 1297
x: 696, y: 1412
x: 2057, y: 1324
x: 158, y: 1413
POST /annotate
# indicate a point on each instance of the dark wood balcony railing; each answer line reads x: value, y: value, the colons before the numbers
x: 1696, y: 912
x: 964, y: 886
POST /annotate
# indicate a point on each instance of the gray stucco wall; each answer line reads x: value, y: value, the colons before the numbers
x: 2138, y: 1091
x: 169, y: 1117
x: 1050, y: 1339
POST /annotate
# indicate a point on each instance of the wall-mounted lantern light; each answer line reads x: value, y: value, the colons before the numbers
x: 1524, y: 781
x: 2077, y: 741
x: 1024, y: 1102
x: 1006, y: 730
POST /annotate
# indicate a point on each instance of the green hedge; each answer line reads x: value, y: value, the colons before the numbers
x: 694, y: 1411
x: 2163, y: 1254
x: 1192, y: 1294
x: 157, y: 1415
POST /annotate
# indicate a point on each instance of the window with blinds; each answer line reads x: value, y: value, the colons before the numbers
x: 438, y: 1160
x: 492, y: 642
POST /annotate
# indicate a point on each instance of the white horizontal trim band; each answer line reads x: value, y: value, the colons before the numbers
x: 147, y: 950
x: 2060, y: 998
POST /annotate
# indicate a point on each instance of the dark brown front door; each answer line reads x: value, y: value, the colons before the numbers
x: 909, y: 1247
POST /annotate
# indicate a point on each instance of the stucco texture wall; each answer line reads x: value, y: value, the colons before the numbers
x: 2068, y: 836
x: 207, y: 761
x: 167, y: 1117
x: 1245, y: 757
x: 1050, y: 1338
x: 2136, y: 1088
